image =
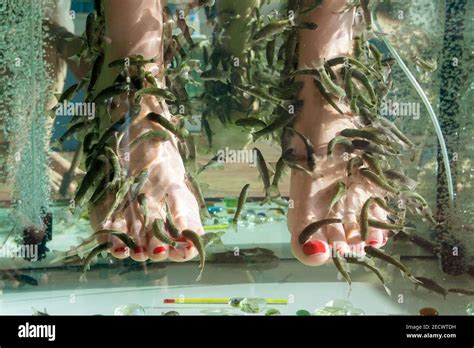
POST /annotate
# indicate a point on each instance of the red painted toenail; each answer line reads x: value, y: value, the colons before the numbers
x: 139, y: 250
x: 120, y: 249
x: 373, y: 242
x: 159, y: 249
x: 314, y: 247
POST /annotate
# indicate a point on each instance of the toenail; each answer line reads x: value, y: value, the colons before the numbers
x: 373, y: 242
x: 314, y: 247
x: 139, y: 250
x: 120, y: 249
x: 159, y: 249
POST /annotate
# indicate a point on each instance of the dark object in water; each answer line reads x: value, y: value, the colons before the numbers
x: 431, y: 285
x: 453, y: 258
x: 23, y: 279
x: 35, y: 237
x: 428, y: 311
x: 170, y: 313
x: 252, y: 258
x: 459, y: 291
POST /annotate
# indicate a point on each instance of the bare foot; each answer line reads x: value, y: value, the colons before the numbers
x: 135, y: 28
x: 320, y: 123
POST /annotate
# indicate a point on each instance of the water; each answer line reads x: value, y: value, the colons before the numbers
x: 251, y: 260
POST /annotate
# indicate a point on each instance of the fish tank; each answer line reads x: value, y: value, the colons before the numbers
x: 236, y: 158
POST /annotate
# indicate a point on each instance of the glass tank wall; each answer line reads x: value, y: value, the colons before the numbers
x: 302, y: 157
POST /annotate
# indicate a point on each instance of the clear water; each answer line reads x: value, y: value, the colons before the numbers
x: 255, y: 260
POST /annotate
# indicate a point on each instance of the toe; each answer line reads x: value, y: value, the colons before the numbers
x: 377, y: 237
x: 336, y: 238
x: 157, y: 251
x: 313, y: 252
x: 185, y: 212
x: 118, y: 250
x: 140, y: 252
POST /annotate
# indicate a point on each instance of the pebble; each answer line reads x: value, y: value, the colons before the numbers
x: 253, y: 305
x: 130, y: 309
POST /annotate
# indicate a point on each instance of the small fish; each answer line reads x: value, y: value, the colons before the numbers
x: 349, y: 60
x: 392, y: 174
x: 368, y: 146
x: 310, y: 154
x: 339, y: 192
x: 364, y: 218
x: 90, y: 29
x: 125, y: 238
x: 341, y: 267
x: 368, y: 133
x: 312, y: 228
x: 357, y: 46
x: 431, y: 285
x: 280, y: 166
x: 157, y: 92
x: 384, y: 205
x: 196, y: 188
x: 25, y: 279
x: 68, y: 93
x: 75, y: 128
x: 270, y: 52
x: 117, y: 168
x: 384, y: 225
x: 365, y: 262
x: 396, y: 131
x: 143, y: 203
x: 136, y: 187
x: 339, y: 140
x: 425, y: 65
x: 207, y: 130
x: 95, y: 72
x: 364, y: 5
x: 158, y: 228
x: 264, y: 173
x: 197, y: 241
x: 377, y: 180
x: 364, y: 80
x: 348, y: 85
x: 89, y: 183
x: 212, y: 238
x: 148, y: 136
x: 467, y: 292
x: 282, y: 121
x: 133, y: 60
x: 260, y: 94
x: 95, y: 252
x: 111, y: 92
x: 250, y: 122
x: 374, y: 164
x: 329, y: 84
x: 354, y: 162
x: 377, y: 56
x: 326, y: 95
x: 379, y: 254
x: 183, y: 26
x: 119, y: 196
x: 272, y: 29
x: 213, y: 162
x: 167, y: 124
x: 242, y: 198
